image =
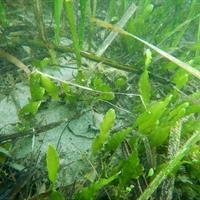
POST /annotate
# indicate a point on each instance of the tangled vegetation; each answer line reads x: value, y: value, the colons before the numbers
x: 99, y: 99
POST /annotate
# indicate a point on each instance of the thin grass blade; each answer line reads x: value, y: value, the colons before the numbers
x: 178, y: 62
x: 93, y: 8
x: 3, y: 18
x: 170, y: 166
x: 71, y: 19
x: 83, y: 7
x: 191, y: 14
x: 58, y: 5
x: 198, y: 39
x: 125, y: 18
x: 178, y: 28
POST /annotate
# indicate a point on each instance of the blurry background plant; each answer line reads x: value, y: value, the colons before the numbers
x: 123, y: 121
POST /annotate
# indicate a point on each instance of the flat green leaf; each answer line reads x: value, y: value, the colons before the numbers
x: 37, y: 92
x: 178, y: 112
x: 90, y: 192
x: 148, y: 120
x: 145, y: 87
x: 99, y: 84
x: 105, y: 126
x: 66, y: 88
x: 121, y: 81
x: 41, y: 64
x: 148, y: 58
x: 52, y: 159
x: 116, y: 139
x: 3, y: 18
x: 108, y: 121
x: 195, y: 95
x: 71, y: 96
x: 30, y: 108
x: 191, y: 126
x: 159, y: 136
x: 55, y: 195
x: 180, y: 78
x: 193, y: 109
x: 144, y: 83
x: 131, y: 169
x: 50, y: 87
x: 151, y: 172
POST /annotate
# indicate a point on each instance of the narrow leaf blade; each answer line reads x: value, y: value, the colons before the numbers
x: 58, y: 5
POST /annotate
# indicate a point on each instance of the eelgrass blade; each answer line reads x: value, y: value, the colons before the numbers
x: 178, y: 28
x: 58, y: 5
x: 178, y: 62
x: 3, y: 18
x: 170, y: 166
x: 111, y: 9
x: 72, y: 24
x: 83, y: 7
x: 93, y: 8
x: 173, y: 146
x: 125, y: 18
x: 198, y: 39
x: 191, y: 14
